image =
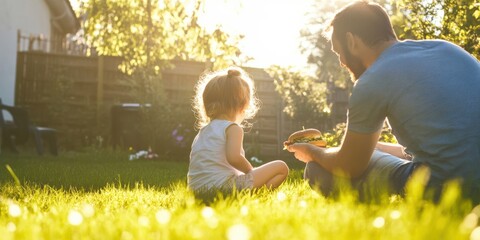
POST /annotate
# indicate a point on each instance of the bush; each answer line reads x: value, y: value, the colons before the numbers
x: 167, y: 127
x: 334, y: 137
x: 304, y: 98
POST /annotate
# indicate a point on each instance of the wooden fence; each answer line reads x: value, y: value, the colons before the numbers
x: 72, y: 93
x: 95, y: 85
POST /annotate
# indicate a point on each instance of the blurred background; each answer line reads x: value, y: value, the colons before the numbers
x: 121, y: 73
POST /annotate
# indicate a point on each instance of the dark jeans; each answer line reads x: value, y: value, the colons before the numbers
x: 385, y: 175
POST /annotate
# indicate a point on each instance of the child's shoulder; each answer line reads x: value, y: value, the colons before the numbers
x: 216, y: 129
x: 221, y: 123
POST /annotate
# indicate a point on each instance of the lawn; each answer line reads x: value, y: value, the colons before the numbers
x: 100, y: 194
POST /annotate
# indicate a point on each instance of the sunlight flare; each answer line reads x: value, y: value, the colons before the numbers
x: 209, y: 215
x: 88, y: 210
x: 14, y: 210
x: 207, y: 212
x: 11, y: 227
x: 379, y: 222
x: 281, y: 196
x: 244, y: 210
x: 395, y: 214
x: 143, y: 221
x: 75, y: 218
x: 212, y: 222
x: 163, y: 216
x: 126, y: 235
x: 238, y: 232
x: 475, y: 234
x: 470, y: 221
x: 476, y: 211
x: 263, y: 36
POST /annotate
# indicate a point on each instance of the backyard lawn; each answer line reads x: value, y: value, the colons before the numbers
x: 100, y: 194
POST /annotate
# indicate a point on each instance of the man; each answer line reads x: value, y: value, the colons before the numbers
x: 429, y: 91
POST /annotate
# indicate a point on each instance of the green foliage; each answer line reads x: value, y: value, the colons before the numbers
x: 304, y: 99
x: 452, y: 20
x: 334, y: 137
x: 387, y: 136
x: 149, y: 33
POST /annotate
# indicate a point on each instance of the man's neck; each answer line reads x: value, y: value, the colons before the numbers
x: 376, y: 51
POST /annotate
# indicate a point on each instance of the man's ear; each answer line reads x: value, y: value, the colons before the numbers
x: 352, y: 44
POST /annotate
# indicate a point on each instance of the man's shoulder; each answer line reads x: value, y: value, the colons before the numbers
x: 429, y: 48
x: 425, y: 43
x: 404, y: 56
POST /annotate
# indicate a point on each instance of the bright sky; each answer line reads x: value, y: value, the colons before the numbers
x: 271, y: 27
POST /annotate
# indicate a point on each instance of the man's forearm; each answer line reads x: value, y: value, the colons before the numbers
x: 328, y: 159
x: 392, y: 148
x: 352, y: 157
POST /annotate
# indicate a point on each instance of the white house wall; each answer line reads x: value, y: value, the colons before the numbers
x: 28, y: 16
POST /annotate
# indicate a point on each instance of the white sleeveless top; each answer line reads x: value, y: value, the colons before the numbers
x: 209, y: 167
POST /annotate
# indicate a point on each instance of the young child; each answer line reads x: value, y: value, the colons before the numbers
x: 222, y: 101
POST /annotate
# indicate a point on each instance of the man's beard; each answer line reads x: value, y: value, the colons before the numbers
x: 354, y: 65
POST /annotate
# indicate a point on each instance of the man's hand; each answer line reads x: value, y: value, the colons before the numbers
x: 351, y: 158
x: 303, y: 151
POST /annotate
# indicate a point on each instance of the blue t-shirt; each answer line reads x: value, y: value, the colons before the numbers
x: 429, y: 91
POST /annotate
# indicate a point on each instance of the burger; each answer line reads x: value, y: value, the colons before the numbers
x: 310, y: 135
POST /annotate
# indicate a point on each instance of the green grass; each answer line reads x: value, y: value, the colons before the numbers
x: 92, y: 169
x: 102, y: 195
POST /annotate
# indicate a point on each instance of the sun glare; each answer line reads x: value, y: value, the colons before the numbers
x: 238, y: 232
x: 271, y: 28
x: 14, y: 210
x: 75, y: 218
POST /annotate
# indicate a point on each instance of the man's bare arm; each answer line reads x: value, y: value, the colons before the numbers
x: 391, y: 148
x: 350, y: 159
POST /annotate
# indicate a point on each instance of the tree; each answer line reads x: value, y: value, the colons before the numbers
x: 148, y: 33
x: 457, y: 21
x: 318, y: 47
x: 304, y: 99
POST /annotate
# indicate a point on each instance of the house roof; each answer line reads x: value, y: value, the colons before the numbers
x: 63, y: 15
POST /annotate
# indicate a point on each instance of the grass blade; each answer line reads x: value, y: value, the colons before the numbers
x: 12, y: 173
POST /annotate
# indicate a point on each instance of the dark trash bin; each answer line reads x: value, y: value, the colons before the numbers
x: 127, y: 123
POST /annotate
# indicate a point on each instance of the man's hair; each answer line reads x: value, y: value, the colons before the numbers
x: 369, y: 21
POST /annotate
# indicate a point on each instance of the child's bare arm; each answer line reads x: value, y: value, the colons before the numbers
x: 234, y: 147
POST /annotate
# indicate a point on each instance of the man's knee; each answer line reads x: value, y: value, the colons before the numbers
x: 318, y: 178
